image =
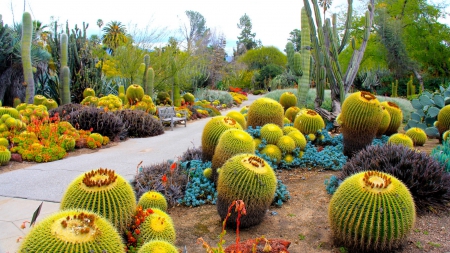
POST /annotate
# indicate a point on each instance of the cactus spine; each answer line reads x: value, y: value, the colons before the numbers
x: 303, y: 82
x: 27, y: 33
x: 65, y: 71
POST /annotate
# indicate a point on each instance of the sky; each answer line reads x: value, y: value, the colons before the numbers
x: 272, y: 21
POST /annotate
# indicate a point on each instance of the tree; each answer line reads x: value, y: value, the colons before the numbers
x: 196, y: 30
x: 115, y: 35
x: 246, y: 40
x: 260, y: 57
x: 296, y: 38
x: 325, y: 4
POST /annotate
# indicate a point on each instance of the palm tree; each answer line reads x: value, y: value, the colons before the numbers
x: 325, y: 4
x: 115, y: 35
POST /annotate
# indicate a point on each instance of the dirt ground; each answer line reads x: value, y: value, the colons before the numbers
x: 303, y: 220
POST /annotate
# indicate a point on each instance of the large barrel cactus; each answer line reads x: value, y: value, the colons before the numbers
x: 77, y: 231
x: 158, y: 226
x: 359, y: 120
x: 291, y: 113
x: 288, y: 99
x: 212, y: 131
x: 153, y: 199
x: 249, y: 178
x: 271, y: 133
x: 396, y: 117
x: 231, y: 143
x: 134, y: 93
x: 104, y: 192
x: 417, y: 135
x: 308, y: 122
x: 239, y: 117
x: 158, y: 246
x: 401, y: 139
x: 263, y: 111
x: 443, y: 120
x: 371, y: 210
x: 384, y: 124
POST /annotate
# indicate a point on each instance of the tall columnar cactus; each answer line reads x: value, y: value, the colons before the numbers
x: 360, y: 118
x: 326, y: 45
x: 150, y: 81
x: 27, y: 34
x: 65, y: 70
x: 371, y: 211
x: 65, y: 84
x: 249, y: 178
x: 410, y: 88
x: 394, y: 92
x: 145, y: 77
x: 304, y: 80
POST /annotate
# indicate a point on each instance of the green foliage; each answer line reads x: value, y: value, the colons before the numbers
x: 441, y: 153
x: 254, y: 183
x: 427, y: 106
x: 223, y: 97
x: 265, y: 74
x: 375, y: 197
x: 359, y: 121
x: 104, y: 192
x: 260, y: 57
x: 74, y: 231
x: 246, y: 39
x: 263, y: 111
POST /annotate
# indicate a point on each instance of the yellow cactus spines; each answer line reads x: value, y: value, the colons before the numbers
x: 39, y: 99
x: 90, y: 101
x: 4, y: 142
x: 288, y: 129
x: 157, y: 246
x: 104, y: 192
x: 50, y: 103
x: 309, y: 122
x: 288, y: 99
x: 88, y: 92
x: 288, y: 159
x: 153, y: 199
x: 239, y: 117
x: 291, y: 112
x: 286, y: 144
x: 299, y: 139
x: 286, y: 121
x: 371, y: 211
x: 110, y: 102
x: 445, y: 135
x: 443, y: 119
x: 256, y: 142
x: 273, y: 152
x: 263, y: 111
x: 271, y: 133
x: 231, y: 143
x: 77, y: 231
x: 134, y: 94
x: 189, y: 98
x: 212, y: 131
x: 384, y: 124
x: 249, y: 178
x: 158, y: 226
x: 5, y: 155
x: 207, y: 173
x: 360, y: 117
x: 401, y: 139
x: 244, y: 109
x: 396, y: 117
x: 21, y: 106
x: 417, y: 135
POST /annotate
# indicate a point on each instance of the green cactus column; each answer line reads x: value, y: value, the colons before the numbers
x: 150, y: 81
x: 145, y: 77
x: 64, y: 87
x: 27, y: 33
x: 304, y: 81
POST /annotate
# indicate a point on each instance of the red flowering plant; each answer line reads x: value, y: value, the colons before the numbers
x: 133, y: 237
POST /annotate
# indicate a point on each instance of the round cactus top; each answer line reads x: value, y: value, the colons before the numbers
x: 76, y: 229
x: 367, y: 96
x: 99, y: 178
x: 392, y: 104
x: 255, y: 163
x: 376, y: 182
x: 229, y: 120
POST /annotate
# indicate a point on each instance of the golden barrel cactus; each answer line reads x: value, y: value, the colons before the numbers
x: 263, y: 111
x: 396, y: 117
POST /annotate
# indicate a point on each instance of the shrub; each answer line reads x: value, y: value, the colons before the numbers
x: 425, y: 177
x: 211, y: 95
x: 139, y: 123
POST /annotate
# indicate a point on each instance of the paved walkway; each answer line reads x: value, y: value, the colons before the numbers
x: 22, y: 191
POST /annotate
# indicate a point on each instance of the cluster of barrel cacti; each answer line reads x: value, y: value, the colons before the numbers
x: 97, y: 210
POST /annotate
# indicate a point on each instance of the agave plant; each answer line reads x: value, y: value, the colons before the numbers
x: 427, y: 107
